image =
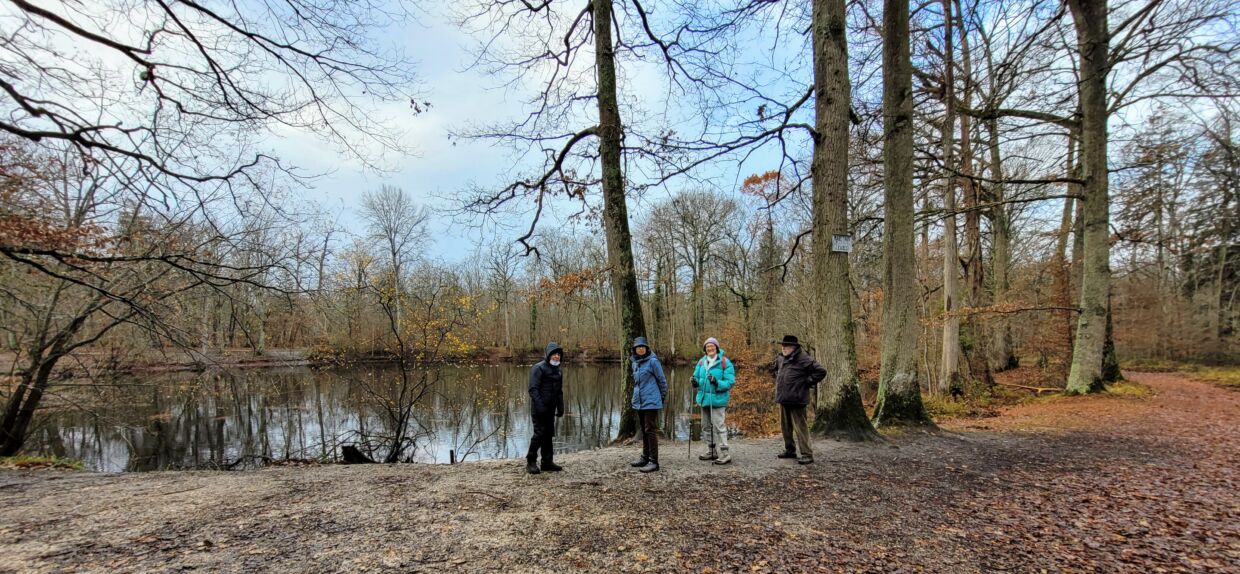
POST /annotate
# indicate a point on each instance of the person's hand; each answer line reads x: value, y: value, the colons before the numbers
x: 712, y: 379
x: 695, y: 383
x: 559, y: 412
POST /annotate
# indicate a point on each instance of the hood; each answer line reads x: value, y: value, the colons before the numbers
x: 641, y: 342
x: 551, y: 348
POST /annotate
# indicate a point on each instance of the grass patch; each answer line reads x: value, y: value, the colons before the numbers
x: 1154, y: 365
x: 1225, y: 375
x: 29, y: 462
x: 945, y: 407
x: 1129, y: 389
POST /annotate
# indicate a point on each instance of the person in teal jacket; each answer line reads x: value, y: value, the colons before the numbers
x: 713, y: 378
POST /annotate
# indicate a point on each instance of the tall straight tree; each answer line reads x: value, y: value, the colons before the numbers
x: 949, y: 365
x: 615, y: 210
x: 839, y: 411
x: 899, y: 391
x: 1093, y: 41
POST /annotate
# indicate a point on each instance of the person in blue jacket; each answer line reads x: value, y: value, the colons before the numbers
x: 713, y: 378
x: 649, y: 393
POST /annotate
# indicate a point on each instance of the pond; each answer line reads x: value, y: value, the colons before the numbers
x: 243, y: 418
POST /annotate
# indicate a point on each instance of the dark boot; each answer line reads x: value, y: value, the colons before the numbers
x: 531, y: 467
x: 787, y: 454
x: 639, y: 462
x: 650, y: 467
x: 805, y: 460
x: 549, y: 466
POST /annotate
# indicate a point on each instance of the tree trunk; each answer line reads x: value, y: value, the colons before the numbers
x: 699, y: 299
x: 949, y: 367
x: 839, y: 411
x: 977, y: 354
x: 22, y: 405
x: 533, y: 321
x: 615, y: 211
x: 1110, y: 362
x: 1061, y: 269
x: 1003, y: 353
x: 1093, y: 42
x: 899, y: 391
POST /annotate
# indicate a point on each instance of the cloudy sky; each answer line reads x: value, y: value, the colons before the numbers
x: 440, y: 168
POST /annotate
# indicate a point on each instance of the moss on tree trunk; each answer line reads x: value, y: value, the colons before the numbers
x: 839, y: 411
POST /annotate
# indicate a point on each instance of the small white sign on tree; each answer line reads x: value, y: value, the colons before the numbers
x: 841, y: 243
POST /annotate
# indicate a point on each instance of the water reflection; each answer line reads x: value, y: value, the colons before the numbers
x: 244, y: 418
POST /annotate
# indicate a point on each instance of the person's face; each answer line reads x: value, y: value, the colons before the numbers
x: 787, y: 349
x: 711, y: 349
x: 641, y: 351
x: 555, y: 359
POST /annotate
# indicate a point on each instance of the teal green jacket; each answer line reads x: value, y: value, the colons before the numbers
x: 714, y: 394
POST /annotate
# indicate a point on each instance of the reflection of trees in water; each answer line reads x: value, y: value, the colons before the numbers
x: 243, y: 418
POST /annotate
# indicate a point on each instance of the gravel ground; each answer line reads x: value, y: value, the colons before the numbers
x: 1096, y: 484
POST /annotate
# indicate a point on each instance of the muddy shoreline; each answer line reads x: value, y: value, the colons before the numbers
x: 1061, y: 484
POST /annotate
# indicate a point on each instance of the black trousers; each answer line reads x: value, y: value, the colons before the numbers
x: 544, y: 431
x: 649, y: 420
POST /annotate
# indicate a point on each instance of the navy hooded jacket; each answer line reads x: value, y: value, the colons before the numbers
x: 547, y: 386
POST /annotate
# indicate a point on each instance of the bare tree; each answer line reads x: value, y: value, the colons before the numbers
x: 398, y: 224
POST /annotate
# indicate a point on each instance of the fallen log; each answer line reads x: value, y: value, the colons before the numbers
x: 1038, y: 390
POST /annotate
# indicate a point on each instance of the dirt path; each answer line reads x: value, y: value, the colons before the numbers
x: 1101, y: 484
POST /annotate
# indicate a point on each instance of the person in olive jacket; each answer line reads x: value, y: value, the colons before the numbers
x: 796, y: 374
x: 649, y: 394
x: 546, y: 403
x: 713, y: 378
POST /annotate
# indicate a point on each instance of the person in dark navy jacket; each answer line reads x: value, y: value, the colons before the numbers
x: 546, y: 404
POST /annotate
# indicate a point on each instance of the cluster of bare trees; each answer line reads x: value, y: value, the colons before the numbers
x: 136, y: 192
x: 1011, y: 109
x: 966, y: 149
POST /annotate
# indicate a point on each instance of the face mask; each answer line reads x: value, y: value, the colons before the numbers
x: 555, y: 362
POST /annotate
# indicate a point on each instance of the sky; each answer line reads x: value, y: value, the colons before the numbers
x: 437, y: 168
x: 440, y: 168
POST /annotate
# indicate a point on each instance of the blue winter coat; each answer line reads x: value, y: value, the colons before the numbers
x: 714, y: 394
x: 649, y: 382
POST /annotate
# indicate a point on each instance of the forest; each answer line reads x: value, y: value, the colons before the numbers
x: 291, y: 232
x: 1039, y: 184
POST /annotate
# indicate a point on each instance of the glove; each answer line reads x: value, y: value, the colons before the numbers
x: 695, y: 384
x: 559, y: 412
x: 712, y: 379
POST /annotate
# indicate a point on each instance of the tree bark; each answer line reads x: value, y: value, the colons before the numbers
x: 615, y: 211
x: 1061, y: 270
x: 949, y: 366
x: 977, y: 355
x: 839, y: 411
x: 1003, y: 352
x: 1093, y: 40
x: 899, y: 390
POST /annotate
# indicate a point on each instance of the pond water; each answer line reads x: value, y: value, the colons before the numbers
x: 240, y: 419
